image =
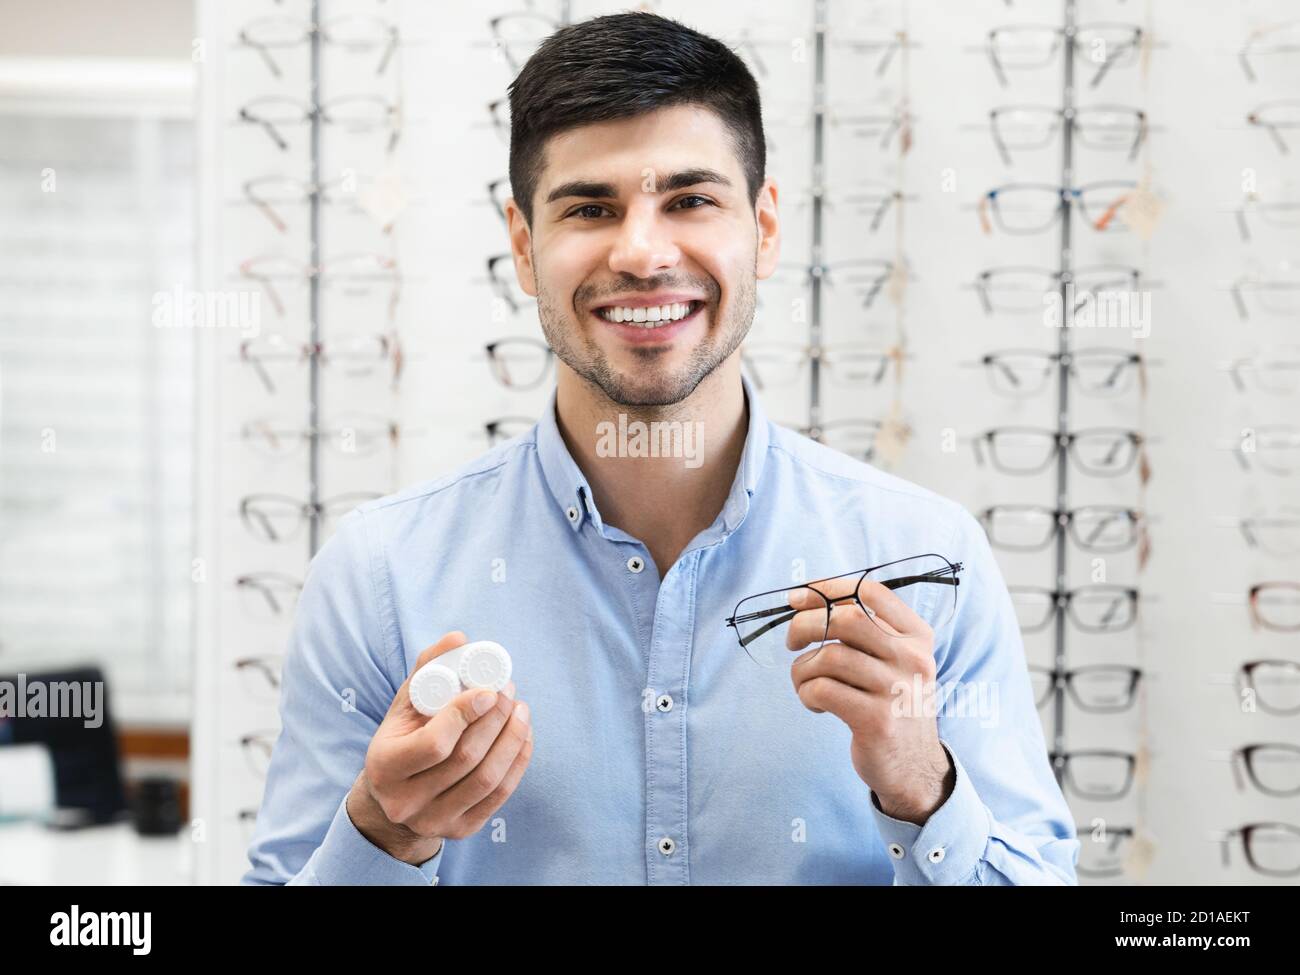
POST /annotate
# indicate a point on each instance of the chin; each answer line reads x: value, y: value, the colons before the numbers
x: 630, y: 388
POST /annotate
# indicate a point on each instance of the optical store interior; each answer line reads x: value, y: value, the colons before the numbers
x: 1040, y: 257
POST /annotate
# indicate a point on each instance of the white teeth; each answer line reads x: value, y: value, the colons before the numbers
x: 647, y: 316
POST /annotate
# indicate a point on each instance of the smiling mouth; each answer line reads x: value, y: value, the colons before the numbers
x: 652, y: 317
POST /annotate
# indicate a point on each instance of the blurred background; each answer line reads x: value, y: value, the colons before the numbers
x: 252, y: 274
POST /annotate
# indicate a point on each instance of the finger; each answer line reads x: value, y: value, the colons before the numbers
x: 848, y: 624
x: 831, y: 589
x: 469, y: 748
x: 851, y: 625
x: 839, y: 591
x: 849, y: 704
x: 813, y: 602
x: 484, y: 777
x: 890, y: 608
x: 845, y: 664
x: 482, y: 810
x: 404, y: 755
x: 805, y: 627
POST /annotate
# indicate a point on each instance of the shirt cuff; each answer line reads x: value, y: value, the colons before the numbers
x: 947, y: 849
x: 346, y: 857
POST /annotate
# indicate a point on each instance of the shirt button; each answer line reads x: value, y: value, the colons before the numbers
x: 667, y: 845
x: 896, y: 851
x: 572, y: 513
x: 936, y: 855
x: 664, y: 703
x: 636, y: 563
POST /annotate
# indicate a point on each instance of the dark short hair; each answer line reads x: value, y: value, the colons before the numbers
x: 619, y: 66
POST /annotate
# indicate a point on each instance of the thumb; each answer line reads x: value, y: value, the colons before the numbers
x: 452, y: 721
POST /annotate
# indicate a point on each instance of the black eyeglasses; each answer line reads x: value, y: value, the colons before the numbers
x: 1096, y: 773
x: 350, y: 356
x: 866, y: 439
x: 264, y: 191
x: 505, y: 428
x: 498, y: 193
x: 1273, y: 685
x: 1103, y: 127
x: 519, y: 363
x: 354, y: 274
x: 870, y: 199
x: 1275, y: 118
x: 1281, y: 214
x: 1275, y: 532
x: 1094, y: 527
x: 1274, y: 39
x: 279, y: 518
x: 1014, y: 289
x: 517, y: 34
x: 1022, y: 373
x: 1095, y: 688
x: 1277, y: 292
x: 1099, y: 608
x: 1102, y: 851
x: 1275, y: 606
x: 258, y: 747
x: 1098, y: 452
x: 509, y: 296
x: 1271, y: 767
x: 351, y: 32
x: 928, y: 583
x: 1031, y: 208
x: 1271, y: 374
x: 353, y: 435
x: 774, y: 365
x: 354, y: 113
x: 1030, y: 46
x: 1272, y: 849
x: 888, y: 46
x: 1274, y: 447
x: 268, y: 596
x: 260, y: 677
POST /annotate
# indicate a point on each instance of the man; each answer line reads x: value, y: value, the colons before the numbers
x: 665, y: 754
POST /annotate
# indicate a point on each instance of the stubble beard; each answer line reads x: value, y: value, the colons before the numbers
x: 653, y: 387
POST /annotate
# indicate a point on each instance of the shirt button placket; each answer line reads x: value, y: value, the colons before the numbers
x: 665, y: 724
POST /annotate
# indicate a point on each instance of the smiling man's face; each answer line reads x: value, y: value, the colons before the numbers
x: 644, y: 251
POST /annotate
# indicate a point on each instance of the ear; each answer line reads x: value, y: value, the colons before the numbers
x: 521, y: 247
x: 769, y: 229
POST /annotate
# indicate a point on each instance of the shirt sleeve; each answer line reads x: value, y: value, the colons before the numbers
x: 341, y: 671
x: 1006, y: 821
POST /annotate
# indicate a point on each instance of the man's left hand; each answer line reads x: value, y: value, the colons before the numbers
x: 878, y: 677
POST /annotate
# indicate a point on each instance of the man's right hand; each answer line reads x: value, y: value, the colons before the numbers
x: 429, y: 778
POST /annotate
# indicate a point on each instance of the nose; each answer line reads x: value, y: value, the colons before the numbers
x: 644, y: 245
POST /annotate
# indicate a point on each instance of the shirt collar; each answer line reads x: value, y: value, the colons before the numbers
x: 572, y: 493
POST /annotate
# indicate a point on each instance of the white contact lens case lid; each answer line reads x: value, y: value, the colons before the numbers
x: 484, y: 664
x: 433, y: 687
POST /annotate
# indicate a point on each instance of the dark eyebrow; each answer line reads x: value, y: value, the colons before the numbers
x: 667, y: 184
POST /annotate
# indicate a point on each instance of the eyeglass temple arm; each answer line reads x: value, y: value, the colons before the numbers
x: 997, y: 64
x: 942, y: 577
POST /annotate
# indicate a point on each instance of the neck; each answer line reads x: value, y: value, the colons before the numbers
x: 666, y: 500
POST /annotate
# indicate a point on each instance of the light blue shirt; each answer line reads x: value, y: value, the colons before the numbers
x: 651, y: 724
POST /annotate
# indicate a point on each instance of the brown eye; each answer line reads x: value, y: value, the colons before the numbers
x: 703, y: 201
